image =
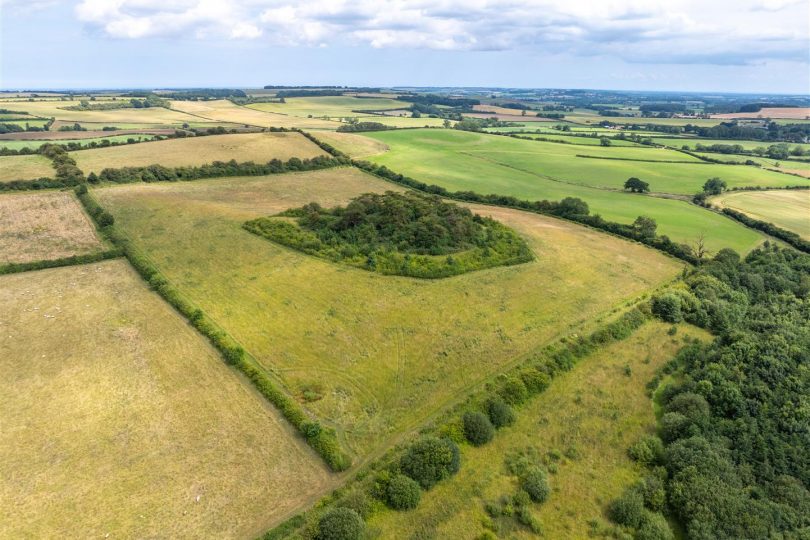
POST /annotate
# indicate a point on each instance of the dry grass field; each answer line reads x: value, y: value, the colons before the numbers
x: 354, y: 144
x: 794, y: 113
x: 62, y: 135
x: 24, y: 167
x: 375, y: 354
x: 258, y: 147
x: 44, y: 226
x: 588, y: 417
x: 119, y: 421
x: 789, y: 209
x: 56, y: 109
x: 225, y: 111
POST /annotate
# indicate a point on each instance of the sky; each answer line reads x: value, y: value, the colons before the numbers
x: 756, y: 46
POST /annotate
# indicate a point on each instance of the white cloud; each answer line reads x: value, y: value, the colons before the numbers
x: 687, y: 31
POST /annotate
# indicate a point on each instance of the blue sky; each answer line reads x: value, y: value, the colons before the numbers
x: 685, y: 45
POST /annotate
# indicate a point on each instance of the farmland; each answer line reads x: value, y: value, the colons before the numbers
x: 120, y: 421
x: 257, y: 147
x: 789, y: 209
x: 581, y: 425
x: 329, y: 331
x: 225, y: 111
x: 490, y: 164
x: 329, y: 106
x: 36, y: 227
x: 36, y: 143
x: 24, y: 167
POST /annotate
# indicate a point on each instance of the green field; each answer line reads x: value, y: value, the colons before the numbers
x: 593, y: 413
x: 329, y: 106
x: 789, y: 209
x: 24, y: 167
x: 373, y: 355
x: 585, y: 141
x: 691, y: 142
x: 492, y: 164
x: 120, y: 421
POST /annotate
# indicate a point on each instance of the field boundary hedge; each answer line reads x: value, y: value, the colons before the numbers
x: 322, y: 440
x: 73, y: 260
x: 769, y: 228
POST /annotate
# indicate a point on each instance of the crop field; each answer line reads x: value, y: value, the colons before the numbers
x: 466, y: 161
x: 44, y: 226
x: 24, y: 167
x: 588, y: 418
x: 77, y: 135
x: 373, y: 355
x: 120, y: 421
x: 355, y: 145
x: 792, y: 113
x: 56, y: 109
x: 328, y: 106
x: 36, y: 143
x: 789, y: 209
x: 257, y: 147
x: 225, y: 111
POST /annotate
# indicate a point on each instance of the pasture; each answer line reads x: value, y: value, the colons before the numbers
x: 582, y: 425
x: 44, y: 226
x: 492, y: 164
x: 27, y: 167
x: 119, y: 421
x: 257, y: 147
x: 372, y: 355
x: 355, y: 145
x: 692, y: 142
x: 789, y: 209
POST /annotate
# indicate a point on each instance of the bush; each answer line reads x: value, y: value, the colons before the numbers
x: 402, y: 493
x: 500, y: 414
x: 652, y: 491
x: 340, y: 524
x: 647, y: 451
x: 667, y: 307
x: 534, y: 380
x: 676, y: 426
x: 358, y: 501
x: 477, y: 428
x: 430, y: 460
x: 654, y: 527
x: 513, y: 391
x: 105, y: 219
x: 628, y: 509
x: 535, y: 483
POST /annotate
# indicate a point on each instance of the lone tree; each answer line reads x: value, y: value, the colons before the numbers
x: 714, y: 186
x: 636, y: 185
x: 604, y: 141
x: 645, y: 226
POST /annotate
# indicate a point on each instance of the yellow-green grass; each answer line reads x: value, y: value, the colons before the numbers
x: 535, y: 170
x: 692, y: 142
x: 595, y: 412
x: 40, y: 226
x: 355, y: 145
x: 36, y: 143
x: 583, y: 141
x: 581, y: 118
x: 120, y: 421
x: 56, y: 109
x: 786, y: 208
x: 328, y: 106
x: 24, y: 167
x: 404, y: 121
x: 384, y: 352
x: 257, y: 147
x: 225, y: 111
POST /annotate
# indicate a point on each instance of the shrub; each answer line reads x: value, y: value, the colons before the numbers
x: 534, y: 380
x: 340, y: 524
x: 402, y: 493
x: 628, y: 509
x: 535, y: 483
x: 647, y: 451
x: 676, y: 426
x: 430, y: 460
x: 667, y: 307
x: 653, y: 527
x: 652, y: 491
x: 513, y: 391
x: 500, y: 414
x: 105, y: 219
x: 477, y: 428
x: 358, y: 501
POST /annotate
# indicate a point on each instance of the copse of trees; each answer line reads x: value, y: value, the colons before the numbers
x: 714, y: 186
x: 356, y: 127
x: 636, y: 185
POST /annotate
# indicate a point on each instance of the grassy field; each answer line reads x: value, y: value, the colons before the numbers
x: 56, y: 109
x: 355, y: 145
x: 375, y: 354
x: 119, y: 420
x: 594, y: 413
x: 24, y: 167
x: 225, y: 111
x: 584, y: 141
x: 258, y: 147
x: 329, y: 106
x: 33, y: 144
x: 40, y: 226
x: 692, y: 142
x: 789, y: 209
x: 593, y: 118
x: 492, y: 164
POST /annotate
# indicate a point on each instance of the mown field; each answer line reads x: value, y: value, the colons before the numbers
x: 44, y: 226
x: 789, y: 209
x: 225, y: 111
x: 24, y: 167
x: 373, y: 355
x: 119, y: 421
x: 526, y: 169
x: 257, y: 147
x: 582, y: 425
x: 356, y: 145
